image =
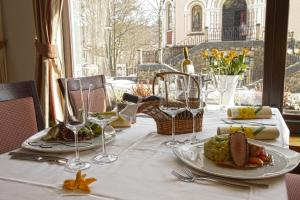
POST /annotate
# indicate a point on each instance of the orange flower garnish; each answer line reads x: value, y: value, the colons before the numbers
x: 80, y: 183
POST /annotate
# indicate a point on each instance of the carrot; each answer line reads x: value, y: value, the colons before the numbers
x: 256, y: 161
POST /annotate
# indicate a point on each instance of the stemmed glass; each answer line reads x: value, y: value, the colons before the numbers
x: 75, y: 119
x: 103, y: 119
x: 194, y: 100
x: 220, y: 82
x: 175, y: 102
x: 206, y: 85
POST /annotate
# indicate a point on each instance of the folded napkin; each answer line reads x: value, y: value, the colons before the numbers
x: 249, y: 112
x: 129, y: 112
x: 121, y: 122
x: 253, y: 132
x: 79, y: 184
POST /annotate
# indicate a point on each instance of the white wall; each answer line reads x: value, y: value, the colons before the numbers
x: 19, y: 31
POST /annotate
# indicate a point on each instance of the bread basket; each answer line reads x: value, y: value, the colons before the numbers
x: 183, y: 120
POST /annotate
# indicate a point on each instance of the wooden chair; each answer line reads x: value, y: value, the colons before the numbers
x: 293, y: 186
x: 20, y: 114
x: 99, y: 91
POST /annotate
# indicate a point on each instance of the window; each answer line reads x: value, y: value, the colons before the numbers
x: 291, y: 103
x: 196, y: 18
x: 127, y: 39
x: 90, y: 31
x: 169, y: 16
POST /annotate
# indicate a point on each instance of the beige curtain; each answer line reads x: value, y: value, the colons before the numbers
x: 47, y: 14
x: 3, y: 67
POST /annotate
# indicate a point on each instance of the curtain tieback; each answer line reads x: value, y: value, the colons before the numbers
x: 46, y: 50
x: 2, y: 43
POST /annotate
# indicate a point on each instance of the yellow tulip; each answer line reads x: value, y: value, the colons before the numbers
x: 227, y: 60
x: 222, y: 54
x: 214, y: 52
x: 205, y: 54
x: 232, y: 54
x: 245, y: 51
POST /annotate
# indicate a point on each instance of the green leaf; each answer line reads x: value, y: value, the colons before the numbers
x: 258, y: 109
x: 258, y: 130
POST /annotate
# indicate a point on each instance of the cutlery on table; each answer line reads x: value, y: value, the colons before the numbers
x: 194, y: 178
x: 231, y: 121
x: 38, y: 157
x: 190, y: 174
x: 224, y: 182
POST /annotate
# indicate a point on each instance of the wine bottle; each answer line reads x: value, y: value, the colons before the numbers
x: 187, y: 64
x: 138, y: 99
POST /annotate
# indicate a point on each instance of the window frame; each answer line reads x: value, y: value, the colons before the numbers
x: 277, y: 14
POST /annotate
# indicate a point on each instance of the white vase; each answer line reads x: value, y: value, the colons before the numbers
x: 231, y: 82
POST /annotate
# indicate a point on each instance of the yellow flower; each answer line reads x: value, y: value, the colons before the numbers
x: 245, y: 51
x: 205, y: 54
x: 232, y: 54
x: 80, y: 183
x: 227, y: 60
x: 246, y: 112
x: 246, y: 130
x: 222, y: 54
x: 215, y: 52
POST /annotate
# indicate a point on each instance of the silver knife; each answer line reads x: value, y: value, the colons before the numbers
x: 38, y: 157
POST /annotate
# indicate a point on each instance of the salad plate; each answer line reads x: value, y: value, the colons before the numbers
x: 35, y: 142
x: 283, y: 161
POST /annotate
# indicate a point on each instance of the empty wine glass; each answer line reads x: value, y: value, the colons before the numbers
x: 207, y: 86
x: 194, y: 101
x: 220, y: 82
x: 108, y: 115
x: 175, y: 102
x: 75, y: 119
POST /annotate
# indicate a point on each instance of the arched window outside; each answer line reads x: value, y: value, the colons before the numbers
x: 169, y: 17
x: 196, y: 18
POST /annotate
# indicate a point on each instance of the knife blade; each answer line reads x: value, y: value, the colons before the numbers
x: 38, y: 157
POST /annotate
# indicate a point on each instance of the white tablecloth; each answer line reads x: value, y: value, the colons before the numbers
x: 143, y: 170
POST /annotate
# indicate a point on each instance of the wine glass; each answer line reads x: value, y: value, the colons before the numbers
x: 220, y: 82
x: 207, y: 86
x: 175, y: 102
x: 103, y: 119
x: 75, y: 119
x: 194, y: 101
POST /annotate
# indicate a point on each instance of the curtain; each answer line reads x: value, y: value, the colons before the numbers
x: 3, y: 67
x: 47, y: 16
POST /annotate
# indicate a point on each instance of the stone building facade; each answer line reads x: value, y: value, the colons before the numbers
x: 182, y: 19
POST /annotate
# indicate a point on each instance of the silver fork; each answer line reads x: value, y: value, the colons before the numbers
x: 190, y: 174
x: 189, y: 179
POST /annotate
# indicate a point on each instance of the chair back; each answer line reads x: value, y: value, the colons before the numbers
x: 20, y: 114
x: 98, y: 92
x: 292, y: 186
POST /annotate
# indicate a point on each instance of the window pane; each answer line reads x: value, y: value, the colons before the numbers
x: 90, y: 29
x: 292, y: 73
x: 129, y: 40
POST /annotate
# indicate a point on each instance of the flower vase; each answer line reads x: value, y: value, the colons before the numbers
x: 231, y: 82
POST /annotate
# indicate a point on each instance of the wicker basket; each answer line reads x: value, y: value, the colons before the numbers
x: 183, y: 120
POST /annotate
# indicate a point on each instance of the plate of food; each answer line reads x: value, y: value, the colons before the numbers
x: 60, y: 139
x: 235, y: 156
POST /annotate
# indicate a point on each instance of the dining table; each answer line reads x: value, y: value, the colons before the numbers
x: 142, y: 171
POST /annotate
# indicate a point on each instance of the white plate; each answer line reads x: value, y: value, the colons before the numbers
x: 34, y: 143
x: 284, y: 160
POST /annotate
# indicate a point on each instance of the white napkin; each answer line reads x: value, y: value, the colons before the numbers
x: 249, y: 112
